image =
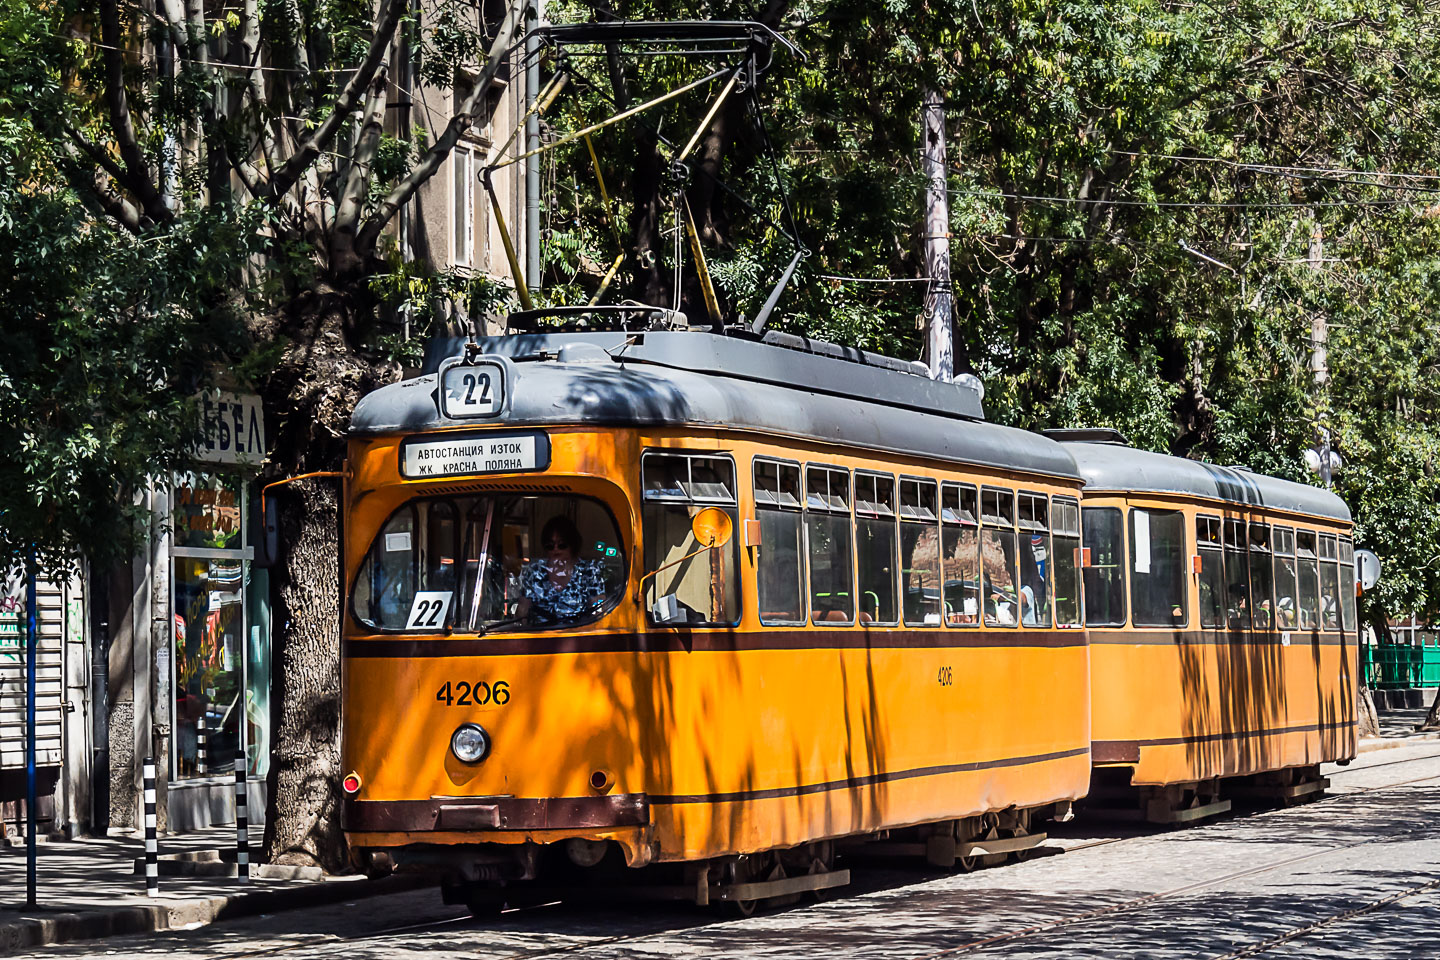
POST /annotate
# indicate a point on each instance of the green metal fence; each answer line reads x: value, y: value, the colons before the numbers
x: 1407, y: 663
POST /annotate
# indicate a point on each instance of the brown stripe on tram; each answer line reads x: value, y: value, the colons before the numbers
x: 1264, y: 638
x: 497, y: 813
x: 1128, y: 751
x: 622, y: 810
x: 708, y: 641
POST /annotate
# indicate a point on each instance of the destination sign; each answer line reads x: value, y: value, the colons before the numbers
x: 470, y: 453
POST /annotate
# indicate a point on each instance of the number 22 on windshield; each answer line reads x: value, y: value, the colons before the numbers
x: 428, y: 610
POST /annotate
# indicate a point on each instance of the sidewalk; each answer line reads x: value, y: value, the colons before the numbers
x: 89, y: 888
x: 1397, y: 729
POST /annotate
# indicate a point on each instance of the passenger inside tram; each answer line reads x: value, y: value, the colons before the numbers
x: 559, y: 584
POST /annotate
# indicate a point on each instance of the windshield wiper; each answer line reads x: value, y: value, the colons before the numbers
x: 503, y: 622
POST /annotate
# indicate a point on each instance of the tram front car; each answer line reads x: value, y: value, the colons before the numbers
x: 549, y: 669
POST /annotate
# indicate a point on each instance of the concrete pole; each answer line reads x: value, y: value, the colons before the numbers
x: 939, y: 296
x: 532, y: 143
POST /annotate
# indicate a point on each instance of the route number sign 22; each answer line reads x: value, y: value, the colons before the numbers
x: 428, y: 610
x: 473, y: 389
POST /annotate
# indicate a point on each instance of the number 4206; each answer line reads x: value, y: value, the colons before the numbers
x: 465, y: 694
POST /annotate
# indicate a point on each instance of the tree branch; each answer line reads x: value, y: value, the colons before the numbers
x: 89, y: 183
x: 137, y: 178
x: 343, y: 257
x: 460, y: 122
x: 280, y: 183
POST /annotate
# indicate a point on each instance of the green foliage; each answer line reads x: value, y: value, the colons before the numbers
x: 1134, y: 188
x: 108, y: 339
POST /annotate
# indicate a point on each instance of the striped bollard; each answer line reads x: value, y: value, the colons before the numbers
x: 200, y: 763
x: 242, y: 821
x: 152, y: 850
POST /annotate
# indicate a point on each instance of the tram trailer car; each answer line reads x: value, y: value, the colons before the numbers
x: 1220, y: 605
x: 558, y: 663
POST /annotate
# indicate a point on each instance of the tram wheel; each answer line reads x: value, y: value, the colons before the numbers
x: 743, y: 869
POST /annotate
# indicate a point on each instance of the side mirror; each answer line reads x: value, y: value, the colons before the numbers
x: 712, y: 527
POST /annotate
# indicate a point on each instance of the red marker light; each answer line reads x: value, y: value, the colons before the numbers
x: 351, y: 783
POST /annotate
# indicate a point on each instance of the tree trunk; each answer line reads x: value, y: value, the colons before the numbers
x: 1367, y: 719
x: 646, y: 253
x: 310, y: 395
x: 303, y: 825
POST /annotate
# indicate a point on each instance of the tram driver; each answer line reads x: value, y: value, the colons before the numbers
x: 559, y: 585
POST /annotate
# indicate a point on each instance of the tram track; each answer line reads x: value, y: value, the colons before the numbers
x: 1058, y: 923
x: 539, y: 910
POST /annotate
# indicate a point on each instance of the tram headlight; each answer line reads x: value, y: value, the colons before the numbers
x: 470, y: 743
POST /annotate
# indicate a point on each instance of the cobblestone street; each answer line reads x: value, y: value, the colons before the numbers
x: 1354, y: 875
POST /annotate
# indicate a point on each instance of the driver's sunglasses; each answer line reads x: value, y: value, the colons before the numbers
x: 556, y: 545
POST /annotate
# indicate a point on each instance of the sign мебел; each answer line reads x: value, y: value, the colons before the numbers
x: 234, y: 426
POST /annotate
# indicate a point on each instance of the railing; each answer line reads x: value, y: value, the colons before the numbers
x: 1396, y: 666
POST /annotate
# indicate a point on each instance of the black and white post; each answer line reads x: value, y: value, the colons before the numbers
x: 242, y: 820
x: 201, y: 764
x: 152, y: 850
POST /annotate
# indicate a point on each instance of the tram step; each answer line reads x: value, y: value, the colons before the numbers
x: 1250, y: 791
x: 1158, y: 814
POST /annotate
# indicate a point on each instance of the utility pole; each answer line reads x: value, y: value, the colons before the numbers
x: 1319, y: 363
x: 939, y: 295
x: 532, y: 144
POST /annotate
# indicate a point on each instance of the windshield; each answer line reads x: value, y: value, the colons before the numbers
x: 473, y: 564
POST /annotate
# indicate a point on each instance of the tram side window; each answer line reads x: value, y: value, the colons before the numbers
x: 1347, y: 584
x: 1329, y: 583
x: 1157, y: 568
x: 1065, y: 518
x: 827, y: 533
x: 1105, y: 576
x: 1034, y: 559
x: 779, y: 568
x: 1003, y: 602
x: 1237, y: 575
x: 1287, y: 608
x: 960, y: 547
x: 1262, y: 575
x: 919, y: 552
x: 1309, y: 579
x: 1211, y: 582
x: 875, y: 543
x: 704, y: 587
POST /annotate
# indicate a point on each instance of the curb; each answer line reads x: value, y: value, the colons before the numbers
x: 1371, y: 744
x: 63, y: 927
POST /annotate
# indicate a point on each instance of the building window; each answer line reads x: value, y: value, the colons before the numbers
x: 219, y: 663
x: 462, y: 159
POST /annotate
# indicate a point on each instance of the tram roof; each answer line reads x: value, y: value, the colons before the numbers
x: 1114, y: 467
x: 595, y: 379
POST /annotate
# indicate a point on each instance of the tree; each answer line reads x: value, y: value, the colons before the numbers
x: 254, y: 140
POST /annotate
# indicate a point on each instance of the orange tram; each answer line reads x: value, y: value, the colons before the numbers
x: 721, y: 605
